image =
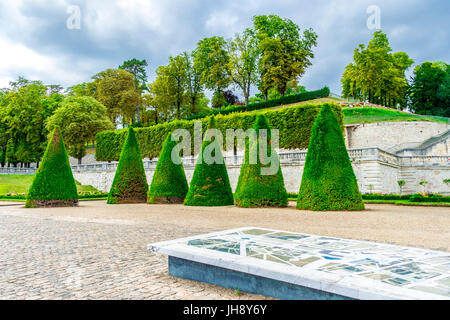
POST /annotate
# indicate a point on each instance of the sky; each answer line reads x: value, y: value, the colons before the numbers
x: 68, y: 41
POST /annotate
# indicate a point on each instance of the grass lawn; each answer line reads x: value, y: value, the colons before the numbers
x: 368, y: 115
x: 21, y: 183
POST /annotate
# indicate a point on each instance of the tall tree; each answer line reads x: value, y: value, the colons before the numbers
x: 177, y: 73
x: 194, y: 86
x: 137, y: 69
x: 429, y: 90
x: 285, y: 53
x: 212, y: 61
x: 116, y: 90
x: 376, y: 73
x: 25, y: 109
x: 79, y: 119
x: 244, y: 55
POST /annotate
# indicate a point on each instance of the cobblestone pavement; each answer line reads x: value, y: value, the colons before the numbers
x: 72, y: 258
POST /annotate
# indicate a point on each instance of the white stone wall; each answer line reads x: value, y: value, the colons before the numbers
x: 372, y: 176
x: 387, y: 135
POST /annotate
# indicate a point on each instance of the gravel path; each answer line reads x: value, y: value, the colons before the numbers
x: 98, y: 251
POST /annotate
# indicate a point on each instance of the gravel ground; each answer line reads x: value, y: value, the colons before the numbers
x: 98, y: 251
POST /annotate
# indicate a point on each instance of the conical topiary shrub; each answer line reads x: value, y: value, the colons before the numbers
x: 169, y: 184
x: 255, y: 189
x: 328, y: 181
x: 210, y: 185
x: 53, y: 184
x: 130, y: 183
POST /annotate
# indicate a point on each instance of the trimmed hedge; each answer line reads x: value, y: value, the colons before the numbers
x: 294, y: 123
x: 304, y: 96
x: 130, y: 183
x: 328, y: 181
x: 169, y: 184
x: 53, y: 184
x: 254, y: 189
x: 210, y: 185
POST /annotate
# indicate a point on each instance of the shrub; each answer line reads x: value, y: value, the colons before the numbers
x: 210, y: 185
x: 328, y: 181
x: 169, y: 184
x: 294, y: 124
x: 53, y: 184
x: 253, y: 188
x: 304, y: 96
x: 130, y: 183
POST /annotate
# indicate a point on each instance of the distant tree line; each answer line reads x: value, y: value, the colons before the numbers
x: 377, y: 75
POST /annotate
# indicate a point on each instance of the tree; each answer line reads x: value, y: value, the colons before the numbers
x: 116, y: 90
x: 137, y: 69
x: 193, y: 84
x: 53, y: 184
x: 83, y: 89
x: 212, y: 60
x: 376, y: 74
x: 210, y: 185
x: 243, y: 52
x: 169, y: 184
x: 285, y: 54
x: 25, y: 110
x: 255, y: 189
x: 429, y: 90
x: 161, y: 95
x: 177, y: 74
x: 230, y: 97
x: 80, y: 119
x: 10, y: 153
x: 328, y: 181
x: 130, y: 183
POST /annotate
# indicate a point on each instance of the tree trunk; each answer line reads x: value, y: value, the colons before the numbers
x: 138, y: 113
x: 79, y: 160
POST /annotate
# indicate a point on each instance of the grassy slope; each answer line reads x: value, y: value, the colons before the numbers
x: 368, y: 115
x: 21, y: 184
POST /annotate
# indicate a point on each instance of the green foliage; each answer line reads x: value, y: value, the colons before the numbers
x: 430, y: 89
x: 130, y: 183
x: 53, y: 180
x: 211, y: 59
x: 328, y: 181
x: 210, y: 185
x: 169, y: 181
x: 253, y: 188
x: 2, y: 157
x: 376, y: 74
x: 294, y: 124
x: 244, y: 54
x: 80, y: 119
x: 24, y: 108
x: 368, y: 115
x: 285, y: 53
x: 116, y: 90
x: 288, y: 99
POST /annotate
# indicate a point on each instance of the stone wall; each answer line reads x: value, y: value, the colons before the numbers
x: 393, y: 135
x: 375, y: 170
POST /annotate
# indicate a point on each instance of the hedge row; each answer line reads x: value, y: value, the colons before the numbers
x: 294, y: 126
x: 304, y: 96
x: 413, y: 198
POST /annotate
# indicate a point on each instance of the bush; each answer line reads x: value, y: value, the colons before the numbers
x: 374, y: 196
x: 253, y: 188
x: 328, y: 181
x: 53, y: 184
x: 210, y: 185
x: 130, y: 183
x: 294, y: 123
x: 169, y: 184
x: 304, y: 96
